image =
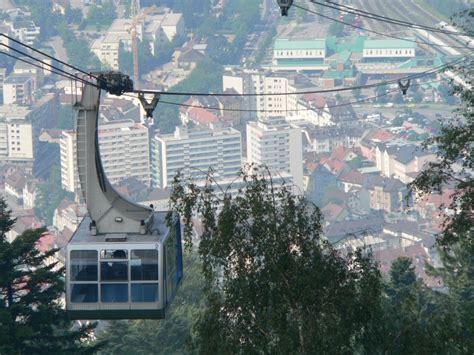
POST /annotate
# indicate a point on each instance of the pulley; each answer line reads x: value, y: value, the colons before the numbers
x: 149, y: 107
x: 404, y: 85
x: 284, y: 6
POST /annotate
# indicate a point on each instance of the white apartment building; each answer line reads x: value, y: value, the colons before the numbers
x: 19, y: 130
x: 193, y: 152
x: 18, y: 89
x: 276, y: 144
x: 107, y: 50
x: 261, y: 85
x: 123, y: 150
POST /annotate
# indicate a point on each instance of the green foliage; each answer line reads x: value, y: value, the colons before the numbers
x: 418, y: 320
x: 273, y: 284
x: 102, y: 15
x: 66, y: 117
x: 50, y: 195
x: 262, y: 50
x: 168, y: 336
x: 453, y: 171
x: 78, y: 50
x: 336, y: 29
x: 72, y: 15
x: 32, y: 318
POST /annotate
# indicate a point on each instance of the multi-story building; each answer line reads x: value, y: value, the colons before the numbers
x: 260, y: 85
x: 275, y: 143
x: 20, y: 128
x: 387, y: 194
x: 18, y: 89
x: 107, y: 50
x: 403, y: 162
x: 123, y: 149
x: 193, y: 151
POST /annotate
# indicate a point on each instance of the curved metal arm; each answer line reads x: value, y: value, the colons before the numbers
x: 108, y: 210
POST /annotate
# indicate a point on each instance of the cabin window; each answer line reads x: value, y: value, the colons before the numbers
x: 145, y: 292
x: 114, y: 292
x: 144, y: 265
x: 84, y: 265
x: 84, y: 293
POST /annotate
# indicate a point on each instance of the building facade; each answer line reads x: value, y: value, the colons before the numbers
x: 193, y: 151
x: 275, y: 143
x: 123, y: 149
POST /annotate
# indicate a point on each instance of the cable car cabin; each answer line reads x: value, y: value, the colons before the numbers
x: 127, y: 276
x: 123, y: 262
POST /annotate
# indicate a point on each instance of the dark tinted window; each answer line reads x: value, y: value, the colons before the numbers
x: 84, y: 293
x: 83, y: 265
x: 114, y: 292
x: 114, y: 271
x: 144, y: 265
x: 145, y: 292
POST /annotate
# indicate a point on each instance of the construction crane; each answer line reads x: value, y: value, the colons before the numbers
x: 137, y: 17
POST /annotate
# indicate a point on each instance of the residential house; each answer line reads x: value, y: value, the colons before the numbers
x: 387, y: 194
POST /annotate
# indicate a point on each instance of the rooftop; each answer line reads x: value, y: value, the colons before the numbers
x: 388, y: 43
x: 305, y: 44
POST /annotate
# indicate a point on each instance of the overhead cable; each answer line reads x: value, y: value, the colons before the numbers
x: 42, y: 67
x: 386, y: 19
x: 47, y: 64
x: 47, y: 55
x: 373, y: 31
x: 322, y: 91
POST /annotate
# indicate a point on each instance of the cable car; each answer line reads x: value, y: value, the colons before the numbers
x: 124, y: 261
x: 284, y: 6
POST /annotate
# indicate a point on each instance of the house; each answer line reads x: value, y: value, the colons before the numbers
x: 30, y: 191
x: 24, y: 221
x: 370, y: 224
x: 387, y: 194
x: 320, y: 181
x: 14, y: 185
x: 326, y: 139
x: 333, y: 212
x: 198, y: 116
x: 349, y: 179
x: 403, y: 162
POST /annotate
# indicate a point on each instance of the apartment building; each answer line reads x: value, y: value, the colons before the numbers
x: 193, y: 152
x: 20, y: 128
x: 276, y: 144
x: 18, y: 89
x: 123, y: 149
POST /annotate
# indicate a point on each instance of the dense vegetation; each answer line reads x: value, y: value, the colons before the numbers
x: 32, y: 317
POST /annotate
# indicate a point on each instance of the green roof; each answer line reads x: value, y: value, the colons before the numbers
x: 298, y: 63
x: 388, y: 43
x: 304, y: 44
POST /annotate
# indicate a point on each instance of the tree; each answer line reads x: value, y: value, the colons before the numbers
x: 417, y: 319
x: 452, y: 171
x: 32, y: 318
x: 273, y: 284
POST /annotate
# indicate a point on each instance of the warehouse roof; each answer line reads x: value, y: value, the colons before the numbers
x: 388, y: 43
x: 305, y: 44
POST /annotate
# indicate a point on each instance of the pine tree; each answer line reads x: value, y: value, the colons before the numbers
x: 32, y: 317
